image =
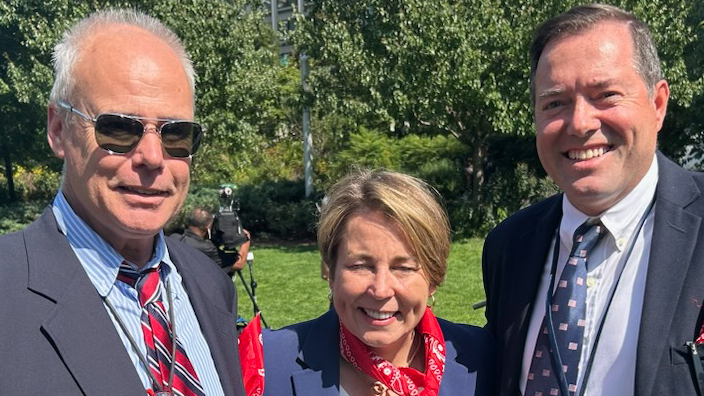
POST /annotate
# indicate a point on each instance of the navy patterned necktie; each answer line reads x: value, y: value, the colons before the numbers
x: 158, y: 336
x: 569, y: 306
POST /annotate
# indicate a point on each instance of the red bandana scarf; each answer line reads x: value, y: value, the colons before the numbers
x: 404, y: 381
x: 252, y: 357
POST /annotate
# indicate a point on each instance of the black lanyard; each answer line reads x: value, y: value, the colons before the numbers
x: 555, y: 352
x: 158, y: 387
x: 697, y: 363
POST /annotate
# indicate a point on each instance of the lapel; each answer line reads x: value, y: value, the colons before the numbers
x: 319, y: 359
x: 217, y: 322
x: 675, y: 234
x: 91, y: 349
x: 524, y: 274
x: 456, y: 378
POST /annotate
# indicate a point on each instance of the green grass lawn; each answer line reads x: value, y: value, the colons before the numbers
x: 290, y: 289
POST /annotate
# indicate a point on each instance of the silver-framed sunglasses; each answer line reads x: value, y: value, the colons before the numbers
x: 120, y: 133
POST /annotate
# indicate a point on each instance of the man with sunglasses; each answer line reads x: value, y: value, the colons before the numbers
x: 93, y: 298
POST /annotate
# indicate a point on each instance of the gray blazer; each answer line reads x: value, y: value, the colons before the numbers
x: 56, y: 338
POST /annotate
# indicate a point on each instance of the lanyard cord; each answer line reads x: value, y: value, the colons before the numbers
x: 697, y: 363
x: 159, y: 387
x: 556, y: 358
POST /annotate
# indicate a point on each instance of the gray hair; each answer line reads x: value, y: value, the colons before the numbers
x: 585, y: 16
x: 67, y: 51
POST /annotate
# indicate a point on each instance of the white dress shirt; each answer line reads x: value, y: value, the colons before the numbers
x: 613, y: 370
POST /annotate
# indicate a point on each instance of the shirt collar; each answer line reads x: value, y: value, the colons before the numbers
x: 621, y: 219
x: 99, y: 259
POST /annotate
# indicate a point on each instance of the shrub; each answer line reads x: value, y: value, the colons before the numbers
x: 16, y: 216
x: 516, y: 188
x: 367, y: 149
x: 278, y: 209
x: 508, y: 190
x: 38, y: 184
x: 437, y: 160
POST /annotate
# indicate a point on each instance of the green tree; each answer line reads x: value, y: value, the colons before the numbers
x: 28, y: 30
x: 424, y: 67
x: 461, y: 67
x: 678, y: 27
x: 243, y: 90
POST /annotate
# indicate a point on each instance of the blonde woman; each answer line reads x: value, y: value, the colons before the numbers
x: 386, y: 240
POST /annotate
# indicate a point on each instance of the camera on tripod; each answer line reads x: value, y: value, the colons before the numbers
x: 228, y: 233
x: 229, y: 236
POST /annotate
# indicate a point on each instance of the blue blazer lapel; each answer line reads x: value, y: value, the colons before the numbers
x: 79, y: 326
x: 675, y: 235
x: 320, y: 365
x: 217, y: 322
x: 532, y: 250
x: 456, y: 379
x: 319, y: 359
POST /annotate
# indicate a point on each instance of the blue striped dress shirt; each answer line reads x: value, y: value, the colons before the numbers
x: 101, y: 262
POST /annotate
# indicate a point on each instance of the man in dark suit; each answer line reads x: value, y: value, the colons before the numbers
x: 599, y: 100
x: 93, y: 299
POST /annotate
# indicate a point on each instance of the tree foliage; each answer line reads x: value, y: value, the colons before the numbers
x: 28, y: 31
x: 434, y: 88
x: 415, y: 66
x: 461, y: 67
x: 678, y: 27
x: 244, y: 93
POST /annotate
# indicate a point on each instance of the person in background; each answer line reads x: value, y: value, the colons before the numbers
x: 386, y: 240
x: 197, y: 234
x: 93, y: 299
x: 598, y: 290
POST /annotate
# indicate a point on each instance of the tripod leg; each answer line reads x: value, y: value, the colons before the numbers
x: 252, y: 298
x: 246, y: 286
x: 252, y: 283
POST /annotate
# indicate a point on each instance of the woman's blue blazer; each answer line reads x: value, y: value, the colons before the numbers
x: 303, y: 359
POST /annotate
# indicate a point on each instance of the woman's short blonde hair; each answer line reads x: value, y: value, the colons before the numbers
x: 408, y: 201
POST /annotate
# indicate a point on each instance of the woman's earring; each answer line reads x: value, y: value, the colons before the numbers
x: 432, y: 301
x: 330, y: 295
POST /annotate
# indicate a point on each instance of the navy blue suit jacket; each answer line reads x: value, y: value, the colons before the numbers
x: 56, y: 337
x: 303, y: 359
x: 674, y: 290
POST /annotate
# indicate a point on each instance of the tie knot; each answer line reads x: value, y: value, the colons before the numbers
x: 146, y: 283
x: 586, y: 237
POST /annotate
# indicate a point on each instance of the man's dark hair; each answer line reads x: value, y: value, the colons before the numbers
x: 200, y: 217
x: 586, y: 16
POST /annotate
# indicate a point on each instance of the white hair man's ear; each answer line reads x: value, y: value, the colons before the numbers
x: 56, y: 134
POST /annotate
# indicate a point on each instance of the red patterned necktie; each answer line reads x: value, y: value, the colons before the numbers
x: 157, y: 334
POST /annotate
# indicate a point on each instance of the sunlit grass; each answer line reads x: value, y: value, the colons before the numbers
x: 290, y: 289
